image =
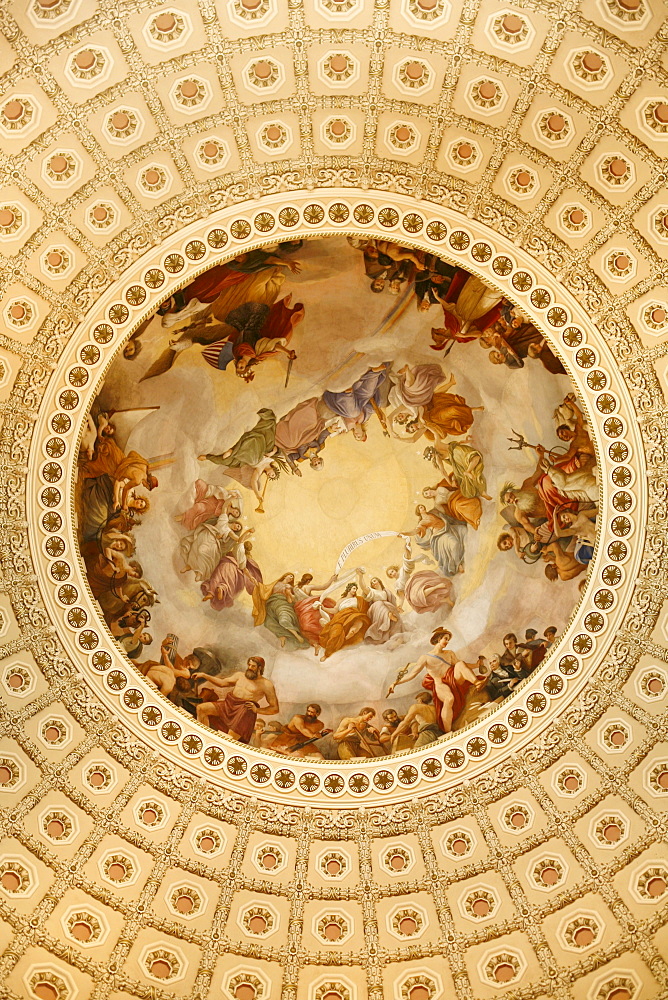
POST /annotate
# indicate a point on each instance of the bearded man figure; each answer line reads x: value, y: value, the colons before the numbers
x: 529, y: 507
x: 538, y: 499
x: 299, y: 736
x: 236, y: 714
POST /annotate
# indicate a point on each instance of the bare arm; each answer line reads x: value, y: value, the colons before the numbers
x: 127, y: 490
x: 404, y: 726
x: 297, y: 723
x: 411, y: 675
x: 418, y: 434
x: 518, y: 540
x: 401, y: 253
x: 138, y: 631
x: 362, y: 585
x: 164, y: 656
x: 230, y: 502
x: 294, y: 265
x: 220, y: 682
x: 271, y: 708
x: 345, y: 728
x: 525, y: 522
x: 109, y: 555
x: 311, y: 587
x: 580, y: 430
x: 255, y: 483
x: 117, y: 490
x: 563, y: 532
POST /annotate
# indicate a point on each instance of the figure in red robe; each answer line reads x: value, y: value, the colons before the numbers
x: 256, y: 332
x: 469, y: 308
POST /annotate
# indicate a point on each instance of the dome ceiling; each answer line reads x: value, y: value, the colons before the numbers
x: 144, y: 855
x: 135, y: 124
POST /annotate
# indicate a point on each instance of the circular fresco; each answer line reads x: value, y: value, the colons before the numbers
x: 337, y: 498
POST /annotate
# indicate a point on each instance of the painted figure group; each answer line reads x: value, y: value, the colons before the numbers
x: 454, y: 693
x: 472, y: 311
x: 112, y: 494
x: 409, y: 403
x: 232, y: 312
x: 551, y: 516
x: 235, y: 316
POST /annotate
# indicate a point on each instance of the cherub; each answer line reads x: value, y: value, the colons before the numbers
x: 163, y: 673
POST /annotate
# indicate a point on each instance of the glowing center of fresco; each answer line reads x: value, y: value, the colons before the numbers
x: 337, y: 498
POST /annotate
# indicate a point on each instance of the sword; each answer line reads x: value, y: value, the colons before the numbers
x: 287, y: 374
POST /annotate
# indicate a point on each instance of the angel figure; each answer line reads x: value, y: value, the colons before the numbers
x: 424, y: 590
x: 383, y: 611
x: 459, y: 492
x: 210, y: 502
x: 443, y: 536
x: 274, y: 607
x: 423, y: 404
x: 211, y: 298
x: 254, y: 455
